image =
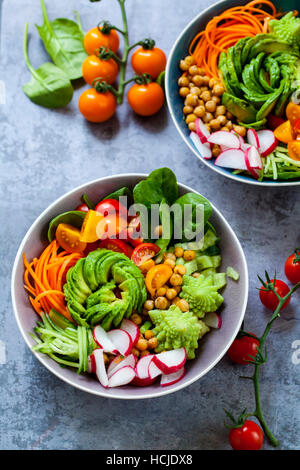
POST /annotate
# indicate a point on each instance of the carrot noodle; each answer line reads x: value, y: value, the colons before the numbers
x: 224, y: 30
x: 44, y: 278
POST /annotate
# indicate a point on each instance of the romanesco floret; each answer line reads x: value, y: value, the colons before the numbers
x: 201, y: 293
x: 287, y: 29
x: 175, y: 329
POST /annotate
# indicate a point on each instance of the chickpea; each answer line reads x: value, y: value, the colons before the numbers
x: 192, y: 126
x: 193, y: 70
x: 204, y: 88
x: 184, y: 91
x: 188, y: 109
x: 178, y: 252
x: 210, y: 106
x: 170, y: 256
x: 212, y: 82
x: 240, y: 130
x: 191, y: 100
x: 183, y: 305
x: 142, y: 344
x: 218, y: 89
x: 199, y: 111
x: 189, y: 59
x: 136, y: 318
x: 161, y: 303
x: 207, y: 127
x: 220, y: 110
x: 189, y: 255
x: 222, y: 119
x: 207, y: 117
x: 205, y: 95
x: 152, y: 343
x: 229, y: 115
x: 175, y: 280
x: 196, y: 274
x: 149, y: 305
x: 225, y: 129
x: 216, y: 99
x: 215, y: 124
x: 190, y: 118
x: 161, y: 291
x: 183, y: 81
x: 178, y: 289
x: 206, y: 80
x: 176, y: 300
x: 171, y: 294
x: 106, y: 358
x: 216, y: 150
x: 170, y: 262
x: 145, y: 312
x: 145, y: 353
x: 198, y: 80
x: 135, y: 351
x: 201, y: 71
x: 195, y: 90
x: 149, y: 334
x: 184, y: 65
x: 180, y: 269
x: 229, y: 125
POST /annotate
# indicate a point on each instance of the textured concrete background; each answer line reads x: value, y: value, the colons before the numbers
x: 45, y: 153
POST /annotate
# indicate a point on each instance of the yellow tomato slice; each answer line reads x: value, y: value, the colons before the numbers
x: 89, y: 227
x: 284, y: 132
x: 157, y: 276
x: 292, y: 112
x: 68, y: 238
x: 294, y: 149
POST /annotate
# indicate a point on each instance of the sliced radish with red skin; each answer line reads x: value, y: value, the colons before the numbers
x: 143, y: 382
x: 172, y: 379
x: 154, y: 371
x: 252, y: 138
x: 170, y: 361
x: 122, y: 341
x: 232, y: 158
x: 100, y: 367
x: 91, y: 364
x: 254, y: 157
x: 254, y: 172
x: 245, y: 146
x: 142, y: 367
x: 203, y: 149
x: 132, y: 329
x: 102, y: 339
x: 213, y: 320
x: 267, y: 142
x: 122, y: 376
x: 202, y: 131
x: 241, y: 139
x: 227, y: 139
x: 120, y: 362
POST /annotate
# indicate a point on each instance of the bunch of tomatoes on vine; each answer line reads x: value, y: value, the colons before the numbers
x: 103, y: 65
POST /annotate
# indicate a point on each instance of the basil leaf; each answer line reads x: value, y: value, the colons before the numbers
x: 49, y: 86
x: 63, y: 40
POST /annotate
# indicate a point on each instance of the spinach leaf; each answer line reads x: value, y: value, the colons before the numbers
x: 63, y: 40
x: 74, y: 218
x: 49, y: 86
x: 86, y: 200
x: 120, y: 193
x: 161, y: 185
x: 194, y: 200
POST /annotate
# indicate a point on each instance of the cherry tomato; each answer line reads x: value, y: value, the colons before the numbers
x: 144, y: 252
x: 248, y: 437
x: 294, y: 149
x: 292, y: 267
x: 68, y: 238
x: 91, y: 247
x: 274, y: 121
x: 242, y: 348
x: 269, y: 299
x: 117, y: 245
x: 147, y: 99
x: 111, y: 206
x: 97, y: 107
x: 292, y: 112
x: 82, y: 208
x: 157, y: 276
x: 297, y: 126
x: 152, y: 61
x: 133, y: 229
x: 93, y: 67
x: 110, y: 226
x: 284, y: 132
x: 95, y: 39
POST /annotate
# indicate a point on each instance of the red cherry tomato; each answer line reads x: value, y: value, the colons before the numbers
x: 297, y: 126
x: 111, y: 226
x: 269, y: 299
x: 117, y: 245
x: 82, y: 208
x: 292, y: 267
x: 274, y: 121
x: 248, y: 437
x: 242, y: 348
x: 111, y: 207
x: 143, y: 252
x: 132, y: 230
x: 91, y: 247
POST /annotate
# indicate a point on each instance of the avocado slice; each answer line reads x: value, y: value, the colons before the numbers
x: 225, y: 73
x: 254, y: 125
x: 264, y: 81
x: 269, y: 45
x: 233, y: 78
x: 240, y: 108
x: 78, y: 278
x: 249, y: 79
x: 89, y: 267
x: 237, y: 55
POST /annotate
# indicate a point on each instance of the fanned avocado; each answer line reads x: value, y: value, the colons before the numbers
x: 249, y: 78
x: 257, y: 63
x: 224, y: 72
x: 269, y: 45
x: 254, y: 125
x: 257, y: 99
x: 237, y: 55
x: 268, y: 105
x: 89, y: 267
x: 78, y: 278
x: 73, y: 289
x: 234, y: 81
x: 104, y: 294
x: 273, y: 69
x: 264, y: 82
x: 246, y: 49
x: 104, y: 265
x: 239, y: 108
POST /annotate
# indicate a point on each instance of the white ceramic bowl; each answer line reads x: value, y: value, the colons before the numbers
x: 212, y: 347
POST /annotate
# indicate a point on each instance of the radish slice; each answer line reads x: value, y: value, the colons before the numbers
x: 122, y: 376
x: 142, y: 367
x: 252, y: 138
x: 232, y: 158
x: 170, y: 361
x: 121, y: 340
x: 213, y: 320
x: 172, y: 379
x: 241, y: 139
x: 100, y: 367
x: 228, y: 139
x: 120, y: 362
x: 203, y: 149
x: 202, y: 131
x: 249, y: 160
x: 91, y: 364
x: 132, y: 329
x: 143, y: 382
x: 267, y: 142
x: 245, y: 147
x: 254, y: 157
x: 154, y: 371
x: 103, y: 340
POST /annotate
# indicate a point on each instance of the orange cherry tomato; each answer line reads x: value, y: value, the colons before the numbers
x: 111, y: 226
x: 292, y: 112
x: 157, y: 276
x: 146, y: 99
x: 152, y: 61
x: 68, y: 238
x: 284, y: 132
x: 89, y: 232
x: 93, y: 67
x: 294, y: 149
x: 94, y: 39
x: 97, y: 107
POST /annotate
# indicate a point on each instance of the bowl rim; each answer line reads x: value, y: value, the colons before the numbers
x: 41, y: 357
x: 227, y: 174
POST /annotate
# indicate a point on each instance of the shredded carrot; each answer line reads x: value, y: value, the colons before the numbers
x: 44, y: 278
x: 224, y: 30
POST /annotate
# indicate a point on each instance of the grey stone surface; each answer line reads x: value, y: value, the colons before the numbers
x: 45, y: 153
